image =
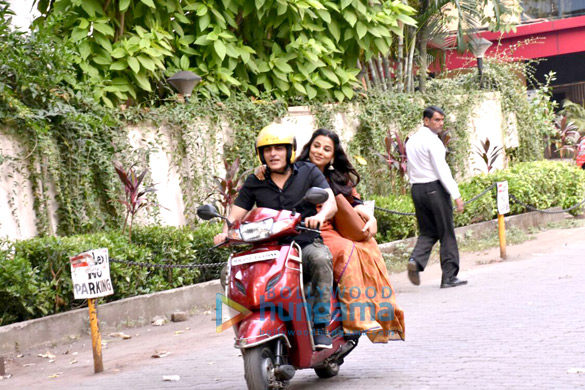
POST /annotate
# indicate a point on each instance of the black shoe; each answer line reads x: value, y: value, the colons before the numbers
x: 413, y: 272
x: 322, y: 339
x: 452, y: 282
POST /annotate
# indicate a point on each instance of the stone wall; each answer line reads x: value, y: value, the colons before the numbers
x: 17, y: 217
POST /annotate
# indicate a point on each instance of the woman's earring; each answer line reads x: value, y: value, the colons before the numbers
x: 331, y: 166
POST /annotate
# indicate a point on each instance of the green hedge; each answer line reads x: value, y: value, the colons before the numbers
x: 542, y: 184
x: 35, y: 276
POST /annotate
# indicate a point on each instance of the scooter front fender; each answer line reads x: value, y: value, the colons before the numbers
x: 258, y: 329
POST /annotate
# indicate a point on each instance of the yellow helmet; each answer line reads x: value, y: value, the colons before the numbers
x: 276, y: 135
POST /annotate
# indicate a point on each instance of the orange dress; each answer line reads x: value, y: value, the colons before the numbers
x: 367, y: 300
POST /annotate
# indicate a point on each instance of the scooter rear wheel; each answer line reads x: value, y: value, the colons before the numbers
x: 259, y: 368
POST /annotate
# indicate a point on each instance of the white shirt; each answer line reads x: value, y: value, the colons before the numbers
x: 426, y: 161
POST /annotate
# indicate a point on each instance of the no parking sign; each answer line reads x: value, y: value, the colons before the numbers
x: 90, y: 272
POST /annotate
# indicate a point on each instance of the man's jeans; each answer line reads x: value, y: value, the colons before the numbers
x: 318, y: 270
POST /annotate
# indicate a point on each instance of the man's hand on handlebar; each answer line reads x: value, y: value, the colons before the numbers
x: 314, y: 222
x: 219, y: 238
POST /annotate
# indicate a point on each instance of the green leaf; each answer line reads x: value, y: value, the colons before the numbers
x: 181, y: 18
x: 84, y: 49
x: 124, y: 4
x: 339, y: 95
x: 330, y: 75
x: 78, y: 33
x: 322, y: 83
x: 92, y: 7
x: 142, y: 81
x: 311, y: 92
x: 345, y: 3
x: 202, y: 41
x: 133, y: 64
x: 259, y: 3
x: 204, y: 22
x: 334, y: 30
x: 104, y: 29
x: 406, y: 19
x: 102, y: 60
x: 220, y: 49
x: 185, y: 62
x: 347, y: 91
x: 350, y: 17
x: 177, y: 27
x: 282, y: 65
x: 149, y: 3
x: 146, y: 62
x: 299, y: 87
x: 119, y: 65
x: 118, y: 52
x: 361, y: 29
x: 83, y: 23
x: 224, y: 88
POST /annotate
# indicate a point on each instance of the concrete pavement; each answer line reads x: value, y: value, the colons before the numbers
x: 519, y: 324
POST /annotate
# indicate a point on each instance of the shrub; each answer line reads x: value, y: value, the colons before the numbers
x: 541, y: 184
x: 35, y: 279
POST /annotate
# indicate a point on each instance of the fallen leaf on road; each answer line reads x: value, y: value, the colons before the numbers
x: 171, y: 378
x: 121, y: 335
x: 73, y: 361
x: 48, y: 355
x: 19, y: 356
x: 52, y: 361
x: 5, y: 377
x: 576, y: 371
x: 160, y: 354
x: 28, y: 364
x: 179, y: 332
x: 55, y: 375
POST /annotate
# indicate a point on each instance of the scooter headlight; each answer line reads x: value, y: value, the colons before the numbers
x: 256, y: 231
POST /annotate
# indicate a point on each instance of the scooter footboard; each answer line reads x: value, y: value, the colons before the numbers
x: 259, y: 328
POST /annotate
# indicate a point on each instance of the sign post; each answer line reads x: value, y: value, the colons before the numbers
x: 90, y: 272
x: 503, y: 202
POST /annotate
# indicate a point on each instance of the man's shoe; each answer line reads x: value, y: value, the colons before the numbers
x: 413, y: 272
x: 452, y: 282
x: 322, y: 339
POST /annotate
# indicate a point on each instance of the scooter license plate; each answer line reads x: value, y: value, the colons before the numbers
x: 254, y: 257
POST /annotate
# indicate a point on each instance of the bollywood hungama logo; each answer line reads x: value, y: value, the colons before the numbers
x: 361, y: 305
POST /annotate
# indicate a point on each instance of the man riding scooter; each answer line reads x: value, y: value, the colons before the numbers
x: 286, y: 184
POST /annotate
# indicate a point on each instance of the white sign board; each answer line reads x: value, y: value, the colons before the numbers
x: 502, y: 198
x: 90, y: 272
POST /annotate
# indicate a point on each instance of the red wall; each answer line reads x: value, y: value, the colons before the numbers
x: 563, y: 36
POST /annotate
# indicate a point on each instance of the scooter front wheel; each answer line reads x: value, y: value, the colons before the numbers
x: 259, y: 368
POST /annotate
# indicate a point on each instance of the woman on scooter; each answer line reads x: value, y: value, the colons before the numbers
x: 359, y: 270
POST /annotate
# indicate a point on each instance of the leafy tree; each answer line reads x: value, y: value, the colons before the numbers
x: 289, y: 48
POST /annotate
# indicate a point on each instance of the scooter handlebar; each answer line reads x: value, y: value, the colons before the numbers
x: 301, y: 226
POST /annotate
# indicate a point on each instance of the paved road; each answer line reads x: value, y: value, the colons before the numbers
x: 518, y: 325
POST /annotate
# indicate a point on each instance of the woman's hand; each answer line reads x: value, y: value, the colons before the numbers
x: 371, y: 226
x: 260, y: 172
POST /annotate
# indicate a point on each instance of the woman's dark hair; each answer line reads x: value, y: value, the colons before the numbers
x: 344, y: 176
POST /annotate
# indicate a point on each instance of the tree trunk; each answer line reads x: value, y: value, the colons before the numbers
x: 400, y: 59
x: 422, y: 50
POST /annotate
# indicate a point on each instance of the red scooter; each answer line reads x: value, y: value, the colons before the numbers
x: 276, y: 338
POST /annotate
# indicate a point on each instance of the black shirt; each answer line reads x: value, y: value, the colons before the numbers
x: 265, y: 193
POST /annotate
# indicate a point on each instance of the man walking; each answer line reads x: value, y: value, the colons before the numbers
x: 433, y: 187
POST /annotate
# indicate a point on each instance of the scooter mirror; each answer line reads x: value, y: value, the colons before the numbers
x: 207, y: 212
x: 316, y: 195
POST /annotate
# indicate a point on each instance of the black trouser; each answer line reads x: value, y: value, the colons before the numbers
x: 434, y: 214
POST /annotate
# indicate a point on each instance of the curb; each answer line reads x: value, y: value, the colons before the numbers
x: 474, y: 231
x: 139, y: 310
x: 60, y: 328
